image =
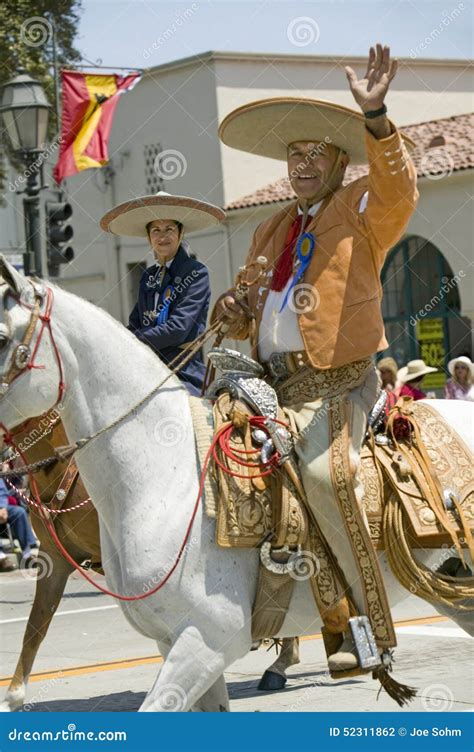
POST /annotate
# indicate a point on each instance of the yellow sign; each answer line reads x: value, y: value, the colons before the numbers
x: 430, y: 335
x: 430, y: 329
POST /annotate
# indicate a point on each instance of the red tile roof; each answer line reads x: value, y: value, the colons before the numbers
x: 443, y: 146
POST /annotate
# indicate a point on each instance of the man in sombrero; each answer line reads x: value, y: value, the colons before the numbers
x: 316, y: 315
x: 174, y: 293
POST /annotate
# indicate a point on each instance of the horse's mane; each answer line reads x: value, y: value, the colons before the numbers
x: 118, y: 327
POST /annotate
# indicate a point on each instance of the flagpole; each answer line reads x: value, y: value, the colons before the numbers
x: 57, y: 95
x: 103, y: 67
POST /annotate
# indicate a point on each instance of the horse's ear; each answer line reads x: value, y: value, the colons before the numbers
x: 11, y: 276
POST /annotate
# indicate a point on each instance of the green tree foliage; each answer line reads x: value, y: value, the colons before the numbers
x: 26, y: 41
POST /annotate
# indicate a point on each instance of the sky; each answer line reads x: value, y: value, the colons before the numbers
x: 145, y: 33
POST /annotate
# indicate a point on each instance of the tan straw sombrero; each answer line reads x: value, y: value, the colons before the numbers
x: 132, y: 217
x: 268, y: 126
x: 414, y: 370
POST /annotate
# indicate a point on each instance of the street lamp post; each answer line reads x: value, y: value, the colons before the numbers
x: 25, y: 112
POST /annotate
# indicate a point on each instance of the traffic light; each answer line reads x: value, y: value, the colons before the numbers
x: 58, y: 234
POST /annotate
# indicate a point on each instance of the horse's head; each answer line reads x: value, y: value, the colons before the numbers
x: 29, y: 373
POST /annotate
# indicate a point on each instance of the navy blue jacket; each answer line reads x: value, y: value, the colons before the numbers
x: 188, y: 306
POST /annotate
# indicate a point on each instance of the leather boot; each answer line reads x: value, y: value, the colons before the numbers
x: 346, y: 657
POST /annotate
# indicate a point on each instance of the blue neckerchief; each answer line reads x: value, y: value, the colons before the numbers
x: 304, y: 253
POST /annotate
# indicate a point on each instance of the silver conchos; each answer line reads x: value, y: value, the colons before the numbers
x: 377, y: 413
x: 233, y: 361
x: 287, y: 567
x: 255, y: 392
x: 239, y: 375
x: 22, y: 356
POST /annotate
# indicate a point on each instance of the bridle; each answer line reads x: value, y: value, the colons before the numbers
x: 23, y: 357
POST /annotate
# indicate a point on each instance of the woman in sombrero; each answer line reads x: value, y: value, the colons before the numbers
x: 411, y: 376
x: 460, y: 385
x: 174, y: 293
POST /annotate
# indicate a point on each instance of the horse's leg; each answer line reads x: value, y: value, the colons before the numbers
x: 215, y: 700
x: 275, y: 676
x: 191, y: 677
x: 49, y: 591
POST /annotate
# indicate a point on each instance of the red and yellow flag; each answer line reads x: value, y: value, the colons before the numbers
x: 88, y: 106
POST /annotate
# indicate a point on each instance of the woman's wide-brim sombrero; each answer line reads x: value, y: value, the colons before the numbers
x: 132, y: 217
x: 268, y: 126
x: 415, y: 369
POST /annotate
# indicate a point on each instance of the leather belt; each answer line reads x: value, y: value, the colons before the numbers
x: 282, y: 365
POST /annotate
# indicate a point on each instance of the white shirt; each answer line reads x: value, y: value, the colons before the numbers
x: 280, y: 332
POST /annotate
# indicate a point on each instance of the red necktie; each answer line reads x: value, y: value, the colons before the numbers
x: 284, y: 265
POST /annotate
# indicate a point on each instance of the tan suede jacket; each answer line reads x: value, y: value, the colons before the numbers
x: 345, y: 323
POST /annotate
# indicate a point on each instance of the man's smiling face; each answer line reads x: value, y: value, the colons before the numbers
x: 309, y: 166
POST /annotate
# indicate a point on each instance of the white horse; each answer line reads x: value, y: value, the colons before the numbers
x: 143, y: 477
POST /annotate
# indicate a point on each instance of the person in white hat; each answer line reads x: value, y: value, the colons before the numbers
x: 174, y: 293
x: 317, y: 313
x: 460, y: 385
x: 411, y: 376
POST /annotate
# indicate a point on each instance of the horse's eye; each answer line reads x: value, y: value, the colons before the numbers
x: 3, y: 341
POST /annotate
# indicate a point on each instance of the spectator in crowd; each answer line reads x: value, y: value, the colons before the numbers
x: 460, y: 385
x: 17, y: 518
x: 411, y: 376
x: 388, y: 369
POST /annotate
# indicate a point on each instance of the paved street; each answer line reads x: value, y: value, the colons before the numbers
x: 92, y: 660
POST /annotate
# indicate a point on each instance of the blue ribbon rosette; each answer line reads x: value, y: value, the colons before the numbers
x: 162, y: 317
x: 304, y: 253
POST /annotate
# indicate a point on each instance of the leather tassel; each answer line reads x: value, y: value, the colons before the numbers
x: 401, y: 693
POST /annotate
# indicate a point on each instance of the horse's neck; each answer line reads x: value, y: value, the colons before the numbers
x: 134, y: 465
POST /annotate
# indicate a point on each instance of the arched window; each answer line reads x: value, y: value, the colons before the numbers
x: 421, y: 307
